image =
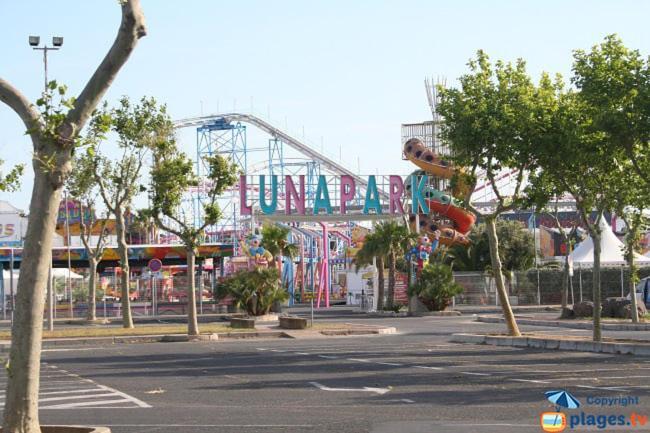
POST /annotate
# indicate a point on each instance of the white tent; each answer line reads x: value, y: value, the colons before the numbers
x: 56, y: 273
x: 611, y: 250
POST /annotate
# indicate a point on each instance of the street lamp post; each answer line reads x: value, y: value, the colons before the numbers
x: 57, y: 42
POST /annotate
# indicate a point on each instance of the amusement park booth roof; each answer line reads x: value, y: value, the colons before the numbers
x: 139, y: 255
x: 611, y: 250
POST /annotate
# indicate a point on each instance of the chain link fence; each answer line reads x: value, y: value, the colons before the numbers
x: 544, y: 286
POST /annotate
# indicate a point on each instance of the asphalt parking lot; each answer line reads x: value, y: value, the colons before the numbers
x: 411, y: 382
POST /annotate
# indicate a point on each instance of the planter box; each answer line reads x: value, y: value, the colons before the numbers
x: 241, y: 323
x: 293, y: 323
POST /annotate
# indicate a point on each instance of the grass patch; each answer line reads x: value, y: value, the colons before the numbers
x: 114, y: 331
x: 321, y: 326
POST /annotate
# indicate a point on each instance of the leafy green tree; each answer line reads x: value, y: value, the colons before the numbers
x: 573, y: 158
x: 435, y: 286
x: 82, y: 187
x: 614, y: 81
x: 491, y: 124
x: 172, y: 175
x: 139, y: 129
x: 393, y: 237
x: 54, y: 132
x: 516, y: 249
x: 373, y: 252
x: 630, y: 198
x: 10, y: 182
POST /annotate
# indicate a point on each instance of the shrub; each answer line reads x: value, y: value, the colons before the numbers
x: 435, y: 286
x: 253, y: 291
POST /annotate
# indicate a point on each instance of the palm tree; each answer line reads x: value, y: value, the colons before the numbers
x: 274, y: 239
x: 373, y: 249
x: 393, y: 237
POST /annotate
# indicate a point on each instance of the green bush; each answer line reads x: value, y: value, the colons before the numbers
x: 435, y: 286
x: 253, y: 291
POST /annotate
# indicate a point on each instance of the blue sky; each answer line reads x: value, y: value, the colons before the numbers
x: 349, y: 72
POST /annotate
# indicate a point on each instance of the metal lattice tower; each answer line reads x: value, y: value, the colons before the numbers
x: 227, y: 139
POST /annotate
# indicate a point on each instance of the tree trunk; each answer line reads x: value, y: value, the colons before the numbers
x: 122, y: 247
x: 630, y: 261
x: 596, y: 237
x: 192, y: 322
x: 508, y: 315
x: 380, y: 283
x: 565, y: 282
x: 391, y: 280
x: 23, y: 369
x: 91, y: 314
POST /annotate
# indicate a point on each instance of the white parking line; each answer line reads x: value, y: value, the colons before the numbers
x: 84, y: 404
x: 471, y: 373
x: 599, y: 378
x: 328, y: 356
x: 61, y: 394
x: 427, y: 367
x: 608, y: 388
x: 392, y: 364
x: 529, y: 381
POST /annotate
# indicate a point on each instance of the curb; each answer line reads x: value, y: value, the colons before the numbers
x: 72, y: 429
x: 572, y: 325
x: 174, y: 338
x: 536, y: 342
x: 452, y: 313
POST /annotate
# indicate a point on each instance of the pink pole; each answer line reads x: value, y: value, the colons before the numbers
x: 326, y: 257
x: 320, y: 278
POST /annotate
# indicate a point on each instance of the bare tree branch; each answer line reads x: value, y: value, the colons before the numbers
x: 19, y: 103
x: 102, y: 240
x: 168, y: 228
x: 490, y: 175
x: 131, y: 29
x: 520, y: 181
x: 129, y: 189
x: 102, y: 191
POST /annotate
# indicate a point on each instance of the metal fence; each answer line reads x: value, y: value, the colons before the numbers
x: 543, y: 286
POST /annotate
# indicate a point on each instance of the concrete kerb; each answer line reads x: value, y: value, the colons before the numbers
x: 537, y: 342
x: 357, y: 330
x: 71, y: 429
x: 569, y: 324
x: 446, y: 313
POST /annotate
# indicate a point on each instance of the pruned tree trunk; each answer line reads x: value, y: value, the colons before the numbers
x: 192, y: 322
x: 596, y: 237
x: 391, y: 279
x: 122, y: 247
x: 23, y: 370
x: 630, y: 261
x: 565, y: 282
x: 21, y: 397
x: 380, y: 283
x: 91, y: 314
x: 493, y: 239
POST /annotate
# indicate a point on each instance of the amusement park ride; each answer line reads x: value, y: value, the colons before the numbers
x: 320, y: 200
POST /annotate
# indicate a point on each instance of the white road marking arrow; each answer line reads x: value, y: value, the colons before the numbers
x: 380, y: 391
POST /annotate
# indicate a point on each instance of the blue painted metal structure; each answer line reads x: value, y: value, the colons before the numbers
x: 222, y: 138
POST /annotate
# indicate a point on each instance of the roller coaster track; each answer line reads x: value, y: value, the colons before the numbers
x: 296, y: 144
